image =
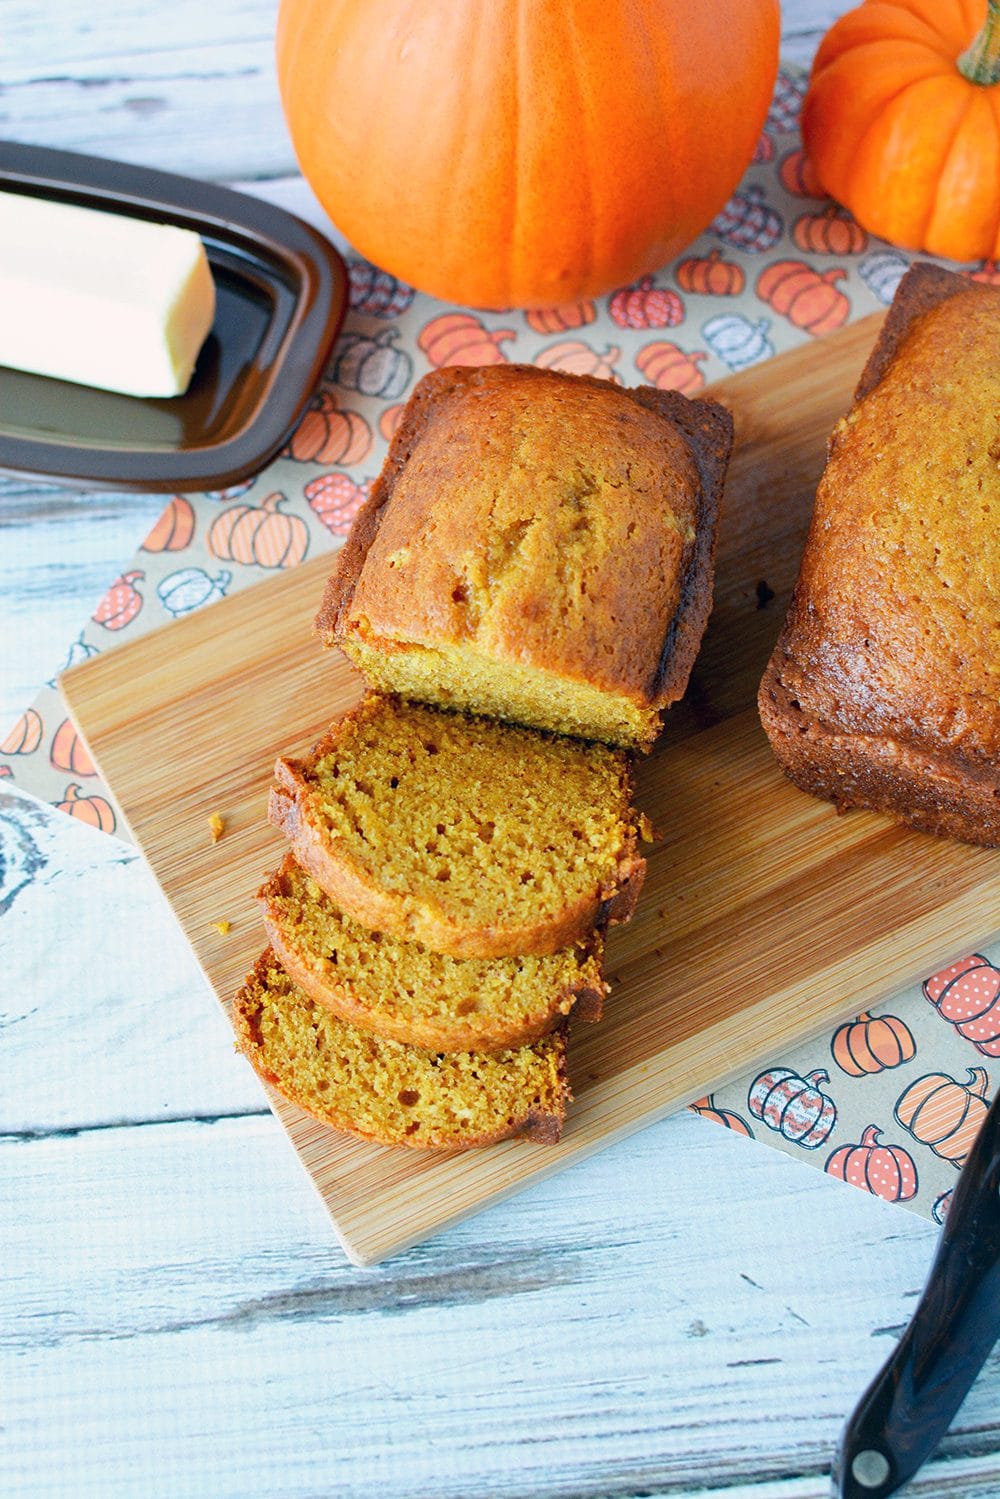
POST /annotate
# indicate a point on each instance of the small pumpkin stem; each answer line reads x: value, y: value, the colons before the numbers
x: 980, y: 62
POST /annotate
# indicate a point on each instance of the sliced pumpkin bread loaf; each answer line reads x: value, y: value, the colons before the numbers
x: 403, y: 991
x: 394, y: 1094
x: 465, y: 834
x: 538, y: 546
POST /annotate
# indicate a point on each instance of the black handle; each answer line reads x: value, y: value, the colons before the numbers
x: 911, y: 1402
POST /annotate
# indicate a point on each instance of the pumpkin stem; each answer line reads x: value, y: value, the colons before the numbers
x: 871, y: 1135
x: 980, y: 62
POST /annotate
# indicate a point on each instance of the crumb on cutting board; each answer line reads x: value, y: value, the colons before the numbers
x: 217, y: 826
x: 222, y: 927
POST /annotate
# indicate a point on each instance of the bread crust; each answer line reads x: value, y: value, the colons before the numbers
x: 479, y: 1032
x: 899, y: 763
x: 658, y: 669
x: 535, y: 1123
x: 290, y: 809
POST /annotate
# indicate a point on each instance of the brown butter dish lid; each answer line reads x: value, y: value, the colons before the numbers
x: 281, y: 292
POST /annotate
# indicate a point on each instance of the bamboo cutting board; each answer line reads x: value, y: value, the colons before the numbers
x: 765, y: 917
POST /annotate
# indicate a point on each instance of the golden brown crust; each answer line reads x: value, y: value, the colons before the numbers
x: 639, y: 628
x: 534, y: 1122
x: 882, y: 691
x: 482, y: 1032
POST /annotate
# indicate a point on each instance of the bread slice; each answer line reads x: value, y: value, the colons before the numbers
x: 394, y: 1094
x: 883, y: 690
x: 539, y: 547
x: 470, y: 836
x: 404, y: 992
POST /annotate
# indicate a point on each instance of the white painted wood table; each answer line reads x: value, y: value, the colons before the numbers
x: 686, y: 1313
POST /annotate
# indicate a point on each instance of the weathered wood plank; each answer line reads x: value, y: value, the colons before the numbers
x: 600, y: 1335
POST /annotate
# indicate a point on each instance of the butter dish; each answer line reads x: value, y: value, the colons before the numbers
x: 281, y: 292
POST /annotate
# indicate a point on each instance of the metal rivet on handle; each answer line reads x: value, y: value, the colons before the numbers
x: 870, y: 1469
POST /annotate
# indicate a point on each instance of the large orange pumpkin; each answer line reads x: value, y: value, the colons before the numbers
x: 902, y: 122
x: 530, y: 152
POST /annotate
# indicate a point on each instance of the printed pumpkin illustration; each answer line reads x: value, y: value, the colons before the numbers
x: 671, y: 368
x: 336, y: 500
x: 988, y: 273
x: 794, y: 1107
x: 560, y: 319
x: 390, y: 420
x: 748, y: 223
x: 707, y: 1109
x: 93, y: 810
x: 736, y: 340
x: 190, y: 588
x: 764, y: 149
x: 807, y: 298
x: 882, y: 271
x: 462, y: 338
x: 259, y: 535
x: 942, y: 1203
x: 886, y: 1171
x: 711, y: 275
x: 326, y: 434
x: 786, y: 104
x: 174, y: 529
x: 832, y: 232
x: 967, y: 994
x: 798, y: 176
x: 872, y: 1043
x: 26, y: 735
x: 644, y: 305
x: 576, y: 358
x: 121, y: 603
x: 945, y: 1114
x: 68, y: 752
x: 375, y: 292
x: 373, y: 366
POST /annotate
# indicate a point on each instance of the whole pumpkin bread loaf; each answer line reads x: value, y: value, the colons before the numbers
x: 468, y: 835
x: 394, y: 1094
x: 539, y: 547
x: 402, y: 991
x: 883, y: 690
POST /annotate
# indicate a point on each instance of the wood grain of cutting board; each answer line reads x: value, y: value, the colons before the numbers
x: 765, y: 917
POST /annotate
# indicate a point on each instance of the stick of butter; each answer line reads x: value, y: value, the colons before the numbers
x: 101, y: 298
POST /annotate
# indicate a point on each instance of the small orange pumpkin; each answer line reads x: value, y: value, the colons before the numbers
x: 831, y: 232
x: 174, y: 529
x: 707, y: 1109
x: 886, y: 1171
x: 670, y: 368
x: 944, y: 1113
x: 121, y: 603
x: 69, y: 753
x: 805, y: 297
x: 327, y: 434
x: 902, y: 124
x: 798, y: 176
x: 560, y: 319
x: 93, y: 810
x: 259, y: 535
x: 575, y: 358
x: 872, y: 1043
x: 390, y: 420
x: 461, y: 338
x: 26, y: 735
x: 711, y: 275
